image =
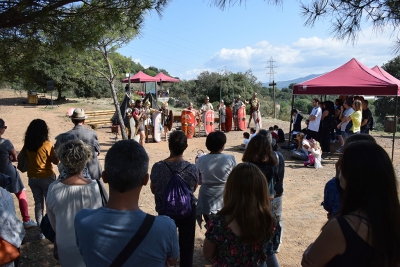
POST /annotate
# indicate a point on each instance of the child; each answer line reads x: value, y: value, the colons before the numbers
x: 314, y: 157
x: 246, y: 141
x: 244, y: 223
x: 252, y: 132
x: 280, y: 133
x: 165, y: 119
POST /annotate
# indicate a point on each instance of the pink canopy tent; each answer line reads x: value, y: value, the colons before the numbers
x: 385, y: 74
x: 140, y: 77
x: 165, y: 79
x: 352, y: 78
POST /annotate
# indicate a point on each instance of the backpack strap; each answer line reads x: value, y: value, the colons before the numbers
x: 134, y: 242
x: 175, y: 171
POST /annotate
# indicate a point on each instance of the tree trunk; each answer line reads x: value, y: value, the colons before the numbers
x: 117, y: 109
x: 58, y: 93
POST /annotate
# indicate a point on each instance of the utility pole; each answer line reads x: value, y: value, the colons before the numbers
x: 272, y: 82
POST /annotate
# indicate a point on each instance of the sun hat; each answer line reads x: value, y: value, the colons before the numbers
x: 78, y: 114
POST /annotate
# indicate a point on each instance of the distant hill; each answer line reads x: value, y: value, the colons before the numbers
x: 285, y: 84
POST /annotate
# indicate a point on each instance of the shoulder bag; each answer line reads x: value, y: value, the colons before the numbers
x: 22, y: 160
x: 134, y: 243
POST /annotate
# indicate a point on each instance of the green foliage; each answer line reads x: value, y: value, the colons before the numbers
x: 303, y: 105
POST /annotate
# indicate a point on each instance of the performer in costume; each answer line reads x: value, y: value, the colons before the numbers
x: 254, y: 106
x: 206, y: 107
x: 237, y: 104
x: 148, y: 121
x: 128, y: 113
x: 222, y: 115
x: 138, y: 114
x: 165, y: 118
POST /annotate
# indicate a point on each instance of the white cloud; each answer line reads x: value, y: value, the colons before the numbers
x: 304, y: 56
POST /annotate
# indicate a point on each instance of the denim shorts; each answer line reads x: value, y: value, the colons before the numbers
x: 338, y: 131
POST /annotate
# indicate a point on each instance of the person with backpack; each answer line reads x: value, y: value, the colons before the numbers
x: 173, y: 182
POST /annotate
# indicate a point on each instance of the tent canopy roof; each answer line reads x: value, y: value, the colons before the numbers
x: 165, y: 79
x: 140, y: 77
x: 352, y: 78
x: 385, y: 74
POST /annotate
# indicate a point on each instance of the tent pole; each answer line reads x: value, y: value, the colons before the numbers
x: 291, y: 120
x: 395, y: 127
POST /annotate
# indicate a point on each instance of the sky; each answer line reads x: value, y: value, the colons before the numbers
x: 193, y: 36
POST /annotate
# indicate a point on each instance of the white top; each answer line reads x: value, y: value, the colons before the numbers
x: 252, y: 135
x: 314, y: 125
x: 246, y: 142
x: 346, y: 113
x: 63, y: 203
x: 317, y: 155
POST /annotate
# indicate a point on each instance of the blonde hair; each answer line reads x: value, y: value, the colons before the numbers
x: 357, y: 105
x: 74, y: 155
x: 246, y: 200
x: 317, y: 145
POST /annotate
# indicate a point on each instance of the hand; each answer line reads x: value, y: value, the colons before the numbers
x: 339, y: 125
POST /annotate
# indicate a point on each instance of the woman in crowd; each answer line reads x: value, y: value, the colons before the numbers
x: 239, y: 234
x: 161, y: 173
x: 301, y: 152
x: 259, y: 152
x: 366, y: 230
x: 41, y: 155
x: 15, y: 185
x: 69, y: 195
x: 335, y: 131
x: 214, y: 169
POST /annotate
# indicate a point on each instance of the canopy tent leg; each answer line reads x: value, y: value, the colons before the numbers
x: 395, y: 126
x: 291, y: 122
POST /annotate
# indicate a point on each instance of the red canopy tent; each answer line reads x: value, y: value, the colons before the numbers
x: 352, y: 78
x: 385, y: 74
x: 140, y: 77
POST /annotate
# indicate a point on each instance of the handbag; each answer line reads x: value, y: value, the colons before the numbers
x: 46, y: 228
x: 22, y: 160
x: 8, y: 252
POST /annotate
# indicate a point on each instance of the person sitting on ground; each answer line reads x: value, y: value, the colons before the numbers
x: 280, y: 133
x: 297, y: 118
x: 314, y: 156
x: 101, y: 234
x: 333, y: 191
x: 304, y: 130
x: 214, y: 169
x: 244, y: 223
x: 246, y: 141
x: 69, y: 195
x: 301, y: 152
x: 366, y: 230
x: 160, y: 176
x: 275, y: 138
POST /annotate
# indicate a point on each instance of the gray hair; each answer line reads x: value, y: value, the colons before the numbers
x: 125, y: 166
x: 74, y: 155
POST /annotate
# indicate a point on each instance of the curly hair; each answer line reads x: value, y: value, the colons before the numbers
x: 74, y: 155
x: 36, y: 134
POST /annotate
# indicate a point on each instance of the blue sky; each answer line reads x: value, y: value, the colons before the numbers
x: 192, y: 36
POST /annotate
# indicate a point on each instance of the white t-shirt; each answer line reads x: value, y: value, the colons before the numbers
x: 314, y: 125
x: 346, y: 113
x: 252, y: 135
x: 246, y: 142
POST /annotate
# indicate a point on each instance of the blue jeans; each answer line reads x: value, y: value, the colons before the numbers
x: 272, y: 261
x: 300, y: 155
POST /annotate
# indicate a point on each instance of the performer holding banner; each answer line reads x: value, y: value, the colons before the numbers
x: 255, y: 111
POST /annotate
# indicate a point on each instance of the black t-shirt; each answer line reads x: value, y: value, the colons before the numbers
x: 366, y: 115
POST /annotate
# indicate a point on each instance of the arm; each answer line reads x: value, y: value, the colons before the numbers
x: 13, y: 155
x: 209, y: 249
x: 329, y: 243
x: 364, y: 122
x: 312, y: 118
x: 53, y: 156
x: 324, y: 114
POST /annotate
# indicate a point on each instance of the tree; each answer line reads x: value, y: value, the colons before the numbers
x: 346, y: 16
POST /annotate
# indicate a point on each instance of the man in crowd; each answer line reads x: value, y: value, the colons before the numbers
x: 89, y: 137
x: 101, y: 234
x: 366, y: 117
x: 315, y: 119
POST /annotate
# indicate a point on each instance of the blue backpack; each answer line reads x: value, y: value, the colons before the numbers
x: 176, y: 200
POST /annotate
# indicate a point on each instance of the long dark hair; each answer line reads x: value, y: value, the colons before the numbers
x: 246, y: 200
x: 330, y: 107
x: 259, y: 150
x: 36, y: 134
x: 371, y: 187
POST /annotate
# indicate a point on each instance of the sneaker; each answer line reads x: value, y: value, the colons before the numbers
x: 339, y: 149
x: 41, y: 236
x: 306, y: 163
x: 310, y: 165
x: 29, y: 224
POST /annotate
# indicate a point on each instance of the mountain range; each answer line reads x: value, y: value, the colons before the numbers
x: 285, y: 84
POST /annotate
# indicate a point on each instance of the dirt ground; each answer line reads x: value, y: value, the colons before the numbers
x: 303, y: 215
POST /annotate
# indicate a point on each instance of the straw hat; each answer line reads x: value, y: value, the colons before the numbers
x: 78, y: 114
